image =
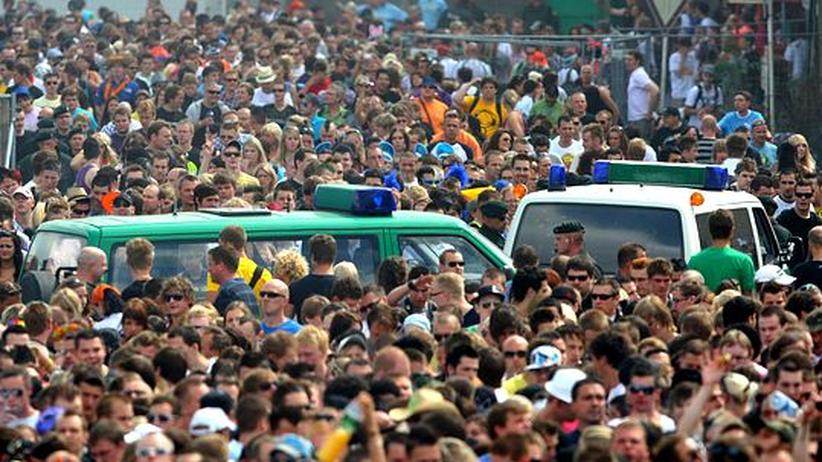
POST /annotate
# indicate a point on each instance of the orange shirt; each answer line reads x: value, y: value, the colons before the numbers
x: 432, y: 113
x: 467, y: 139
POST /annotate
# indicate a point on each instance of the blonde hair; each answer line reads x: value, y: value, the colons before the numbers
x: 237, y: 203
x: 312, y: 336
x: 68, y: 300
x: 203, y: 310
x: 654, y: 311
x: 808, y: 163
x: 253, y: 142
x: 453, y: 283
x: 636, y: 149
x: 289, y: 265
x: 346, y: 270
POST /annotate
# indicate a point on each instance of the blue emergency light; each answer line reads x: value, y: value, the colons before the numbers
x: 359, y: 200
x: 709, y: 177
x: 556, y: 178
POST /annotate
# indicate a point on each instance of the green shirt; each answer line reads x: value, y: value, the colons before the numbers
x: 719, y: 263
x: 551, y: 112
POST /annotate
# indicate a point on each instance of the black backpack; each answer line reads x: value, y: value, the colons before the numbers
x: 474, y: 125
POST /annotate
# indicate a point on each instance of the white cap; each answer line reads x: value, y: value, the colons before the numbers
x: 140, y: 432
x: 210, y: 420
x: 563, y: 382
x: 773, y: 273
x: 543, y: 357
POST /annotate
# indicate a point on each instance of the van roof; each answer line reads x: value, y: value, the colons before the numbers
x: 214, y: 221
x: 642, y: 195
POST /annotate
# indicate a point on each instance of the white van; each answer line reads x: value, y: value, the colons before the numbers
x: 671, y: 222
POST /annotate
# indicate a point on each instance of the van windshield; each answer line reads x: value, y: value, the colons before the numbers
x: 51, y: 251
x: 607, y: 227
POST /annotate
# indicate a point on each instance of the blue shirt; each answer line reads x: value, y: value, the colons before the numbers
x: 234, y: 290
x: 732, y: 120
x: 767, y: 152
x: 291, y: 326
x: 431, y: 11
x: 388, y: 13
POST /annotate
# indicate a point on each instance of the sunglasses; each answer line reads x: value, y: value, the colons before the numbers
x: 162, y: 418
x: 516, y: 354
x: 583, y: 277
x: 11, y: 392
x: 267, y: 386
x: 804, y: 195
x: 83, y: 212
x: 213, y: 92
x: 489, y: 305
x: 279, y: 90
x: 454, y: 264
x: 152, y: 452
x: 441, y: 337
x: 602, y: 296
x: 266, y: 294
x: 174, y: 297
x: 232, y: 154
x: 647, y: 390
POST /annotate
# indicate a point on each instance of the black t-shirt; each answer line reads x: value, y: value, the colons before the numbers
x: 170, y: 116
x: 799, y: 227
x: 809, y: 272
x: 136, y: 289
x: 313, y: 284
x: 279, y: 116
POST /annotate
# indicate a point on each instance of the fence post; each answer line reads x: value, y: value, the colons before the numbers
x: 663, y: 77
x: 7, y: 114
x: 771, y: 109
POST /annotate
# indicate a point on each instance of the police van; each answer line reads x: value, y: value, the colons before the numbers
x: 664, y: 207
x: 363, y: 220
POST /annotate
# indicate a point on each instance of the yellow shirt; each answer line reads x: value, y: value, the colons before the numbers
x: 515, y: 384
x: 246, y: 271
x: 486, y: 113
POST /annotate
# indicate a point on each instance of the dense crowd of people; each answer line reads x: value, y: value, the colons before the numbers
x: 302, y: 359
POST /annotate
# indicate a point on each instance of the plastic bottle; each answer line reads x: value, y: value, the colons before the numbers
x: 334, y: 446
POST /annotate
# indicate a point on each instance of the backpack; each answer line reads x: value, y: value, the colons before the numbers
x: 474, y: 125
x: 699, y: 90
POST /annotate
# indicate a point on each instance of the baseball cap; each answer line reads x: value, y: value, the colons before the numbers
x: 773, y: 273
x: 24, y: 191
x: 543, y: 357
x: 490, y: 290
x: 563, y: 382
x: 210, y: 420
x: 417, y: 320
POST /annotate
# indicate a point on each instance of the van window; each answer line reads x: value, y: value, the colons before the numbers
x: 743, y: 240
x: 426, y: 250
x: 361, y: 250
x: 171, y: 258
x: 51, y: 250
x: 607, y: 227
x: 190, y: 259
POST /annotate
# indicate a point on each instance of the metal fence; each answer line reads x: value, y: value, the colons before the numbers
x: 7, y: 130
x: 740, y: 64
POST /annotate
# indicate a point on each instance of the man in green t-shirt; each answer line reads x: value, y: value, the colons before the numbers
x: 719, y: 261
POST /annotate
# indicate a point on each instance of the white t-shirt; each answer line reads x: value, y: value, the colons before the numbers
x: 781, y: 205
x: 680, y: 84
x: 568, y: 156
x: 639, y: 98
x: 707, y: 97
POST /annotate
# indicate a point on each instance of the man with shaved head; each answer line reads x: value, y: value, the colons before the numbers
x: 390, y: 363
x: 273, y: 302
